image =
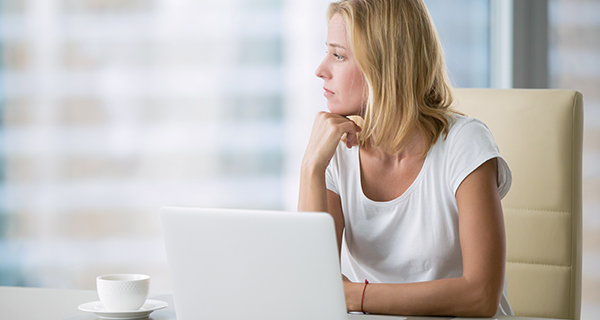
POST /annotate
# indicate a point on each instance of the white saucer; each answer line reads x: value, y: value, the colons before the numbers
x: 98, y: 308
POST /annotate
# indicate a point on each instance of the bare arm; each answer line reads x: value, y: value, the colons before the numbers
x: 326, y: 133
x: 478, y: 292
x: 335, y: 210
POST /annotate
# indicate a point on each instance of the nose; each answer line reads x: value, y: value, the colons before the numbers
x: 323, y: 70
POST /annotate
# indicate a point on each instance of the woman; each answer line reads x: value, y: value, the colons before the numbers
x: 415, y: 187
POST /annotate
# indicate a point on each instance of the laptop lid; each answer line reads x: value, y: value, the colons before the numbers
x: 251, y: 264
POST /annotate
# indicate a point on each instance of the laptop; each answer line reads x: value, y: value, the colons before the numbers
x: 252, y: 264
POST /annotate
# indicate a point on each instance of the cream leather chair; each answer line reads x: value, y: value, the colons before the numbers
x: 539, y: 133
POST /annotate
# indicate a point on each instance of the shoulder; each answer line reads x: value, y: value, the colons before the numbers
x: 344, y: 157
x: 470, y: 133
x: 469, y: 144
x: 467, y: 134
x: 466, y: 126
x: 343, y: 163
x: 343, y: 153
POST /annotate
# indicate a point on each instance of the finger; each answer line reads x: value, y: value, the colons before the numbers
x: 349, y: 126
x: 351, y: 139
x: 349, y: 144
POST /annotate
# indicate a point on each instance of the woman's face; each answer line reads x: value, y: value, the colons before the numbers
x: 344, y: 82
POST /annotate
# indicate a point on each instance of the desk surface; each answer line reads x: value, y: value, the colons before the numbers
x: 37, y: 303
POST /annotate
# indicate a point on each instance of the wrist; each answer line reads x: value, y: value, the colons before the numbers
x: 311, y: 168
x: 353, y: 295
x: 362, y: 297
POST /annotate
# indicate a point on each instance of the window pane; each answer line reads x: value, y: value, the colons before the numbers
x: 463, y: 27
x: 111, y: 109
x: 574, y: 63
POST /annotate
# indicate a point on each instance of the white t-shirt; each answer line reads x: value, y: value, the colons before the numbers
x: 414, y: 237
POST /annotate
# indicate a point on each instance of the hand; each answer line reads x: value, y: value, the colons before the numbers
x: 327, y: 131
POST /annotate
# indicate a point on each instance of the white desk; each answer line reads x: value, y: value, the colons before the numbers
x: 18, y: 303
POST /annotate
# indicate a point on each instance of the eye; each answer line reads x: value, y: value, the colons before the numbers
x: 338, y: 57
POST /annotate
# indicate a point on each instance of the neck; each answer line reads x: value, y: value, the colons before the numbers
x: 415, y: 148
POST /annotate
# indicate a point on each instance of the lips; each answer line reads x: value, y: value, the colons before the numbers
x: 327, y: 92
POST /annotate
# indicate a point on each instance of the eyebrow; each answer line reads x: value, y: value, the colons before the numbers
x: 335, y: 45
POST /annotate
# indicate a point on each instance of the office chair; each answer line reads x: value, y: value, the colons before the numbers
x: 539, y: 133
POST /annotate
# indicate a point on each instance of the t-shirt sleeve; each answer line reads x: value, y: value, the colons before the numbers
x: 469, y: 147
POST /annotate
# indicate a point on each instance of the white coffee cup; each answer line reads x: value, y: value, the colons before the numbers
x: 120, y: 292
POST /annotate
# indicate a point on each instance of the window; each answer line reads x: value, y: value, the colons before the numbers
x: 111, y: 109
x: 574, y: 63
x: 464, y: 29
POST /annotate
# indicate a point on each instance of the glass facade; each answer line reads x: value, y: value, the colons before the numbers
x: 574, y: 63
x: 464, y: 29
x: 110, y: 109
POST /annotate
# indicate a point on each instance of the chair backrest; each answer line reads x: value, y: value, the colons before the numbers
x: 539, y: 133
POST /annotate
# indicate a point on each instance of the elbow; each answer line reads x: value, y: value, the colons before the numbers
x: 485, y: 302
x: 479, y: 297
x: 487, y: 311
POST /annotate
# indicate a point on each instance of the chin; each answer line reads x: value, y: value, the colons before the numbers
x: 341, y: 111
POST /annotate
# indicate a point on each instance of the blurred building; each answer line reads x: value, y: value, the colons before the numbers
x: 113, y: 108
x: 574, y: 63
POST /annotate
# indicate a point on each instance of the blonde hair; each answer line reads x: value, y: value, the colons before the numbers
x: 399, y: 52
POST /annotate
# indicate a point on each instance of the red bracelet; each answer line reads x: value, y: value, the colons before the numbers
x: 362, y: 298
